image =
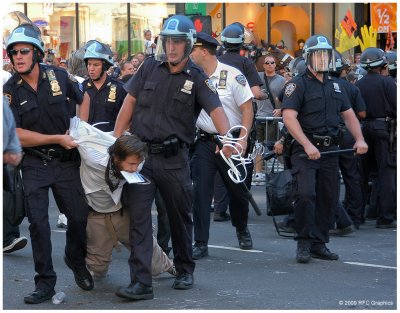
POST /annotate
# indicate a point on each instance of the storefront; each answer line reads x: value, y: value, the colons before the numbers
x: 67, y: 26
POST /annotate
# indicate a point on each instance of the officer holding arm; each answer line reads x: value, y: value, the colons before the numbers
x: 311, y: 106
x: 164, y: 99
x: 38, y: 96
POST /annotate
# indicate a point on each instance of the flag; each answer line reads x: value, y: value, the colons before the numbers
x: 349, y: 24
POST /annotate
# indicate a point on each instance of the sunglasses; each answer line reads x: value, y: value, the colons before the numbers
x: 23, y: 51
x: 270, y: 62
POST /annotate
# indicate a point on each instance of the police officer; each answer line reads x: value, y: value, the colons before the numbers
x: 379, y: 93
x: 391, y: 57
x: 164, y: 99
x: 311, y: 106
x: 235, y: 95
x: 233, y: 37
x: 105, y: 93
x: 39, y: 100
x: 349, y: 163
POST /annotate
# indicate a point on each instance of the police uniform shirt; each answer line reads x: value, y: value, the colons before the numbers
x: 46, y: 111
x: 243, y: 64
x: 318, y: 103
x: 380, y: 95
x: 168, y: 104
x: 356, y: 100
x: 105, y: 102
x: 233, y: 90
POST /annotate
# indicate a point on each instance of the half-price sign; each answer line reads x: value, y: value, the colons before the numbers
x: 383, y: 16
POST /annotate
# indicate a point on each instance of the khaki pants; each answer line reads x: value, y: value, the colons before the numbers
x: 103, y: 233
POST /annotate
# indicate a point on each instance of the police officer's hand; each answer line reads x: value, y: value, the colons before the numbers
x: 67, y: 142
x: 312, y: 152
x: 278, y: 147
x: 226, y: 150
x: 12, y: 158
x: 361, y: 147
x: 241, y: 145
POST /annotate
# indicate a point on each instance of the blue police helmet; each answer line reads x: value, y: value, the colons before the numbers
x: 372, y: 58
x: 26, y: 33
x: 179, y: 27
x: 98, y: 50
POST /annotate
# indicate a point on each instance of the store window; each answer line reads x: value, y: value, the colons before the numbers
x: 57, y: 24
x: 290, y: 22
x: 251, y: 15
x: 105, y: 22
x: 324, y: 20
x: 146, y: 16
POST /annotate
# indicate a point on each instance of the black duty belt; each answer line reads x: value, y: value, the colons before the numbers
x: 204, y: 136
x: 47, y: 154
x: 324, y: 141
x: 169, y: 146
x: 155, y: 148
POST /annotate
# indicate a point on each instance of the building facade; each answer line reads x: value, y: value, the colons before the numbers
x: 67, y: 26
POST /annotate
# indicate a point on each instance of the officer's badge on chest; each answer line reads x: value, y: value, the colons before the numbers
x: 112, y: 94
x: 54, y: 85
x: 336, y: 87
x: 187, y: 87
x: 289, y: 89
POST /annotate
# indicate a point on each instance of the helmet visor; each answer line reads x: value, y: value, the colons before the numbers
x: 173, y: 49
x: 319, y: 61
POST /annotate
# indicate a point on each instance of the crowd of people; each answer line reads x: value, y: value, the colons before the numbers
x: 178, y: 111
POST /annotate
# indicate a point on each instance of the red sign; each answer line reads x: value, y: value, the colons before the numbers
x: 349, y: 24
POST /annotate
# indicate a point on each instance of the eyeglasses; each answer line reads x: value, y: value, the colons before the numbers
x: 273, y: 62
x: 23, y: 51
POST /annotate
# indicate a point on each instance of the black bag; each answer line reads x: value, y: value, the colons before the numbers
x: 13, y: 195
x: 279, y: 188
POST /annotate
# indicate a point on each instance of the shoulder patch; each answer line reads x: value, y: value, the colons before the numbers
x: 241, y: 79
x: 210, y: 85
x: 9, y: 97
x: 289, y: 89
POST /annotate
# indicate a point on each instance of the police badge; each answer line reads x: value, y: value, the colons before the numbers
x: 187, y: 87
x: 112, y: 94
x: 289, y: 89
x: 241, y: 79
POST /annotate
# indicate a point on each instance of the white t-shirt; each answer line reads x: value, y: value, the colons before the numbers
x: 236, y: 92
x: 147, y: 47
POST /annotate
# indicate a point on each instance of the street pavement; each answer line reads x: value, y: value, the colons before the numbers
x: 265, y: 278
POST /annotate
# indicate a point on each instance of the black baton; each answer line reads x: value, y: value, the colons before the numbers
x: 333, y: 152
x: 238, y: 189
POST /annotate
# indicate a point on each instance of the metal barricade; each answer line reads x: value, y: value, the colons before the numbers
x: 267, y: 120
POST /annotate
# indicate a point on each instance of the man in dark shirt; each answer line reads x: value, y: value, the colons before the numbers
x: 311, y: 106
x: 380, y: 95
x: 38, y: 97
x: 164, y: 99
